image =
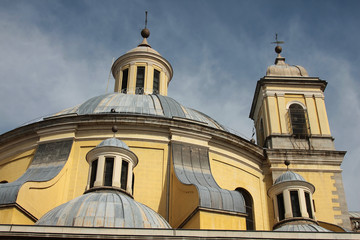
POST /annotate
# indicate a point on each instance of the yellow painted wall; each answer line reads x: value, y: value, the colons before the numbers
x: 324, y: 188
x: 11, y: 215
x: 231, y: 174
x: 184, y: 199
x: 13, y: 167
x: 216, y: 221
x: 150, y: 185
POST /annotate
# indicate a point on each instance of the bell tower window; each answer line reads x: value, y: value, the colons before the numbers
x: 124, y: 81
x: 140, y: 80
x: 108, y: 171
x: 156, y: 82
x: 298, y: 120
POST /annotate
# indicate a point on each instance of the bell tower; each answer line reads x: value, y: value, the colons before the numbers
x: 291, y: 123
x: 288, y: 109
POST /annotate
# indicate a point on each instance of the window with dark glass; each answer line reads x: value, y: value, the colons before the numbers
x: 295, y: 206
x: 250, y: 224
x: 156, y: 82
x: 140, y: 80
x: 298, y: 120
x: 281, y: 207
x: 308, y: 204
x: 93, y: 172
x: 124, y: 174
x: 124, y: 81
x: 108, y: 171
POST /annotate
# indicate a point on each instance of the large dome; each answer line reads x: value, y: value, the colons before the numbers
x: 155, y: 105
x: 103, y: 209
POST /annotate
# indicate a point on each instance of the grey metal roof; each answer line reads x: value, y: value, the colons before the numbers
x: 113, y: 142
x: 48, y: 161
x: 309, y: 227
x: 155, y: 105
x: 192, y: 166
x: 289, y: 176
x: 354, y: 214
x: 106, y: 208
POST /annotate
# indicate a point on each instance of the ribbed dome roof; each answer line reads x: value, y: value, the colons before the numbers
x: 113, y: 142
x: 104, y: 209
x: 155, y: 105
x: 289, y: 176
x: 282, y: 69
x: 309, y: 227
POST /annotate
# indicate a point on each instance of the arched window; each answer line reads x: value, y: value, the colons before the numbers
x: 250, y: 224
x: 298, y: 120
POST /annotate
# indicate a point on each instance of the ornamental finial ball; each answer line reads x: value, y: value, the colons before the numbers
x: 287, y: 162
x: 278, y: 49
x: 145, y: 33
x: 114, y: 129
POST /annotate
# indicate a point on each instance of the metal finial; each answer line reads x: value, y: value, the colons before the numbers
x: 287, y: 163
x: 114, y: 129
x: 145, y: 19
x: 145, y: 33
x: 278, y: 48
x: 277, y: 42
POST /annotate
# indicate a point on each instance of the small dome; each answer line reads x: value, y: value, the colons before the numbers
x: 308, y: 227
x: 282, y: 69
x: 111, y: 209
x: 289, y: 176
x: 113, y: 142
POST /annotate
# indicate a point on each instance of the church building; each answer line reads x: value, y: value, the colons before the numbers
x: 137, y: 164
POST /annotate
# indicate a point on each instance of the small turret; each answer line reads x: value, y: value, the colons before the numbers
x: 142, y: 70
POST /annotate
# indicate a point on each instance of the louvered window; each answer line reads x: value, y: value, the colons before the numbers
x: 298, y: 120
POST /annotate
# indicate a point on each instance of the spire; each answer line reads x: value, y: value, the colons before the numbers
x: 279, y: 59
x: 145, y: 33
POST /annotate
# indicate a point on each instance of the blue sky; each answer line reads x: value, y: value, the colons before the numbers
x: 57, y: 54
